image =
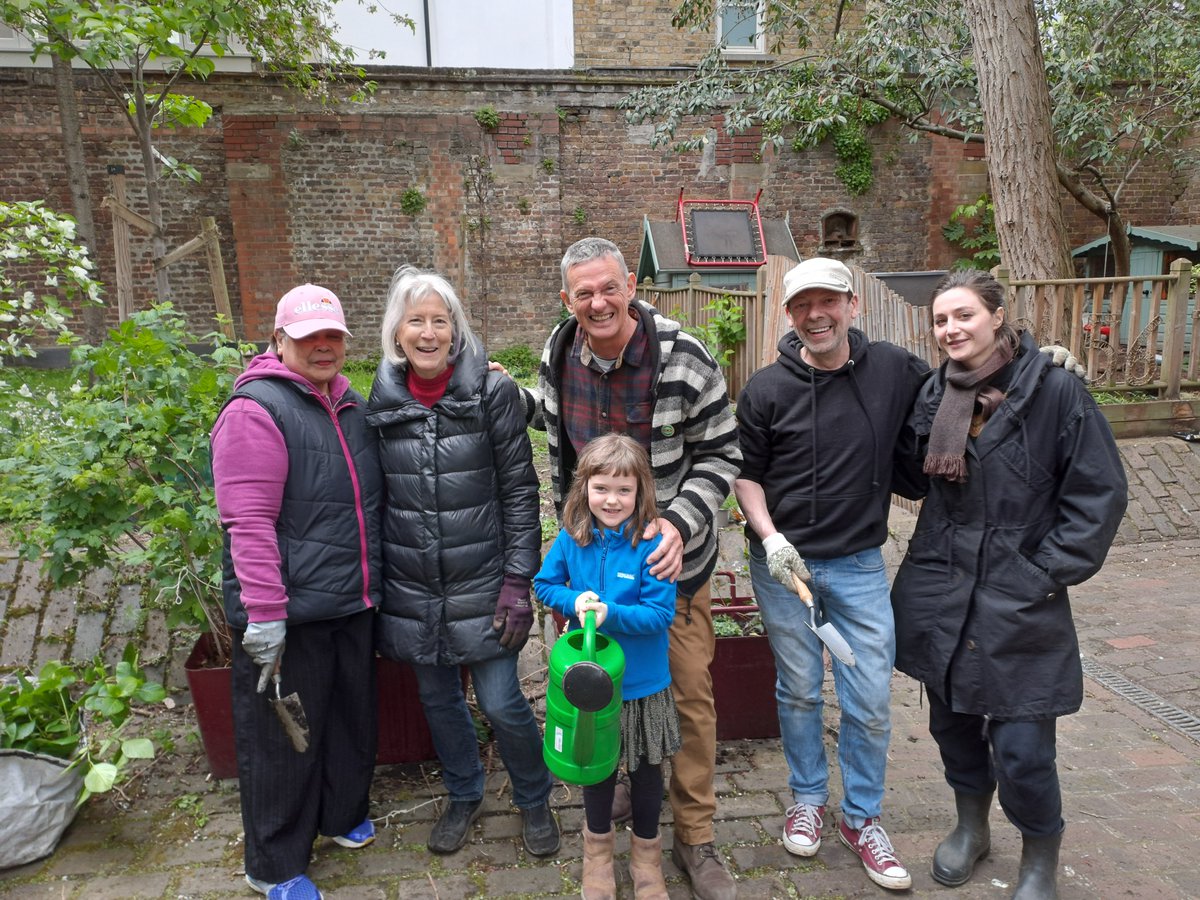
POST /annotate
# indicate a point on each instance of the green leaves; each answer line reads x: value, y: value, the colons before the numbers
x: 79, y: 715
x: 39, y: 244
x: 124, y: 477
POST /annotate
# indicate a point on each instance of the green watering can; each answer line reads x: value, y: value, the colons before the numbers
x: 583, y: 705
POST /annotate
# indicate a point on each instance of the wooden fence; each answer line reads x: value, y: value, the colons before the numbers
x: 1133, y: 333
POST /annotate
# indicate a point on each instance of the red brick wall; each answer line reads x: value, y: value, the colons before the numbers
x: 302, y: 194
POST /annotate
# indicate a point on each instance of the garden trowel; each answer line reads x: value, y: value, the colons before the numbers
x: 829, y: 635
x: 291, y: 714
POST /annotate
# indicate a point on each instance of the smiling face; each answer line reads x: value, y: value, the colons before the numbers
x: 822, y: 319
x: 611, y: 498
x: 425, y: 334
x: 317, y: 357
x: 964, y: 328
x: 598, y: 295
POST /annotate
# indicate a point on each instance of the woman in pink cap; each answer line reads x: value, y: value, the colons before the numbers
x: 299, y: 489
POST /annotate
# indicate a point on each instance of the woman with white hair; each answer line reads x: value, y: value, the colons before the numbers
x: 461, y: 542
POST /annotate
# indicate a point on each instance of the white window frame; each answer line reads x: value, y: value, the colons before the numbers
x: 744, y: 6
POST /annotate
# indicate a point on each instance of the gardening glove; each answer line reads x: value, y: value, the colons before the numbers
x: 591, y: 600
x: 263, y: 643
x: 514, y: 613
x: 1064, y: 359
x: 783, y: 561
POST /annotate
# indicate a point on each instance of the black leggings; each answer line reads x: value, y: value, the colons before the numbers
x: 645, y: 795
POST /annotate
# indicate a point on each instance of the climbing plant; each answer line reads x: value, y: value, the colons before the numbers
x: 972, y: 228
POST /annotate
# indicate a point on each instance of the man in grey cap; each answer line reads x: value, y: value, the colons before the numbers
x: 818, y: 429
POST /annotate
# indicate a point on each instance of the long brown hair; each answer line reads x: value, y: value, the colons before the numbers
x: 610, y: 454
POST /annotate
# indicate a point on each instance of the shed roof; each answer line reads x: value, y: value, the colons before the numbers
x: 1186, y: 237
x: 663, y: 250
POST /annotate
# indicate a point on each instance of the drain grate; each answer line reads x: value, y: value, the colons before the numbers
x: 1181, y: 720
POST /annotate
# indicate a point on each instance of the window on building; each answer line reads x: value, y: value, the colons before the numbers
x: 740, y: 27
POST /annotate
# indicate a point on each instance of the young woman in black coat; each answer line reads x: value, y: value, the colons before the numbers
x: 1026, y: 491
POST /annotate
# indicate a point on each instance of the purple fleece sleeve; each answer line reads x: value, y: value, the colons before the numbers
x: 250, y: 466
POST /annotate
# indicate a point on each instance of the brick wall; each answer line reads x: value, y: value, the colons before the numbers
x: 624, y: 33
x: 302, y: 194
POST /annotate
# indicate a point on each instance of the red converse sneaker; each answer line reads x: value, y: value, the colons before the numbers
x: 874, y: 848
x: 802, y: 830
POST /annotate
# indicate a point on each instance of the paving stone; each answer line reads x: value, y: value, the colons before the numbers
x: 28, y: 593
x: 58, y: 616
x: 19, y: 633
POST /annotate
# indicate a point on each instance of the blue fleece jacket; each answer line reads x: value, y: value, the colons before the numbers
x: 640, y: 607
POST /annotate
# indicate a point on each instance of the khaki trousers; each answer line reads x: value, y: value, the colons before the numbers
x: 692, y: 643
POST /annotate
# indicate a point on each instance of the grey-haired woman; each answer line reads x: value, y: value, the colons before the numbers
x: 461, y: 542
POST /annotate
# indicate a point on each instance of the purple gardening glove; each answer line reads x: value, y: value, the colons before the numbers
x: 514, y: 613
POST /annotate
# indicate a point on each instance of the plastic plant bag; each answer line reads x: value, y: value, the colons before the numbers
x: 37, y: 803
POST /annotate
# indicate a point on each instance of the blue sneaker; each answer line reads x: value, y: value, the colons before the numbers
x: 298, y: 888
x: 357, y: 837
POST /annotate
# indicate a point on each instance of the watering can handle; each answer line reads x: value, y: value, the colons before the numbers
x: 589, y: 635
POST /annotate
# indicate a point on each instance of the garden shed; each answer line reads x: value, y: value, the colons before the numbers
x: 725, y: 242
x: 1154, y: 248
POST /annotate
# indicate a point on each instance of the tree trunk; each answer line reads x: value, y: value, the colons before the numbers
x: 77, y: 179
x: 1021, y: 151
x: 145, y: 135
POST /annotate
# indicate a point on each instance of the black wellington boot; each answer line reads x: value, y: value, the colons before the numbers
x: 1039, y: 868
x: 955, y: 857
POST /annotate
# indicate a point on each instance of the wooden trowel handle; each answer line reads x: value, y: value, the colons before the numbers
x: 802, y: 589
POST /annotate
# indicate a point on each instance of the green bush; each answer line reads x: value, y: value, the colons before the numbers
x: 125, y: 477
x: 520, y: 361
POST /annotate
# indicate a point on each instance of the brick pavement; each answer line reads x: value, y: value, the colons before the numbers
x: 1131, y: 782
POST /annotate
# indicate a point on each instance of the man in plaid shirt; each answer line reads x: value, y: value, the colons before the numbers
x: 619, y: 365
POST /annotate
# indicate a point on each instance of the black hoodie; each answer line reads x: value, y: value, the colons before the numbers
x: 822, y: 443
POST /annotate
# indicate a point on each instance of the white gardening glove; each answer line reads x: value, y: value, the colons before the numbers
x: 783, y: 561
x: 589, y: 600
x: 1065, y: 359
x: 263, y: 643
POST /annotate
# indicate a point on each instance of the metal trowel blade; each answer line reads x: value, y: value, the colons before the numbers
x: 291, y: 715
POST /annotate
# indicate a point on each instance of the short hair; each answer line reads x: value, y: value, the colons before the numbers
x: 989, y: 291
x: 586, y: 250
x: 410, y: 286
x: 610, y: 454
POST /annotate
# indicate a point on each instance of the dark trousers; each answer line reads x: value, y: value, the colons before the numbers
x: 980, y: 754
x: 645, y: 798
x: 289, y: 797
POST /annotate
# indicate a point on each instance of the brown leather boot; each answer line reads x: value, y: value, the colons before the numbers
x: 703, y: 866
x: 645, y: 868
x: 599, y: 882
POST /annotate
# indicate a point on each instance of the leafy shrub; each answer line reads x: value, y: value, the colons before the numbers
x: 36, y: 242
x: 125, y: 477
x: 520, y: 361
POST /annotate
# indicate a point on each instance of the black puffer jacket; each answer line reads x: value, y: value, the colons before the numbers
x: 461, y: 510
x: 982, y: 614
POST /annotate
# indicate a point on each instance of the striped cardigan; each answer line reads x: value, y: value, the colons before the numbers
x: 694, y: 448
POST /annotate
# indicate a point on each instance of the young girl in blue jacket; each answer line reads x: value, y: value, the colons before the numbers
x: 598, y: 562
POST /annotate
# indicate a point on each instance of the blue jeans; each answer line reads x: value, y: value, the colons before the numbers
x: 853, y: 591
x: 498, y: 691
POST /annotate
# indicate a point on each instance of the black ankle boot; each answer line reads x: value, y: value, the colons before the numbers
x: 955, y: 857
x: 1039, y: 868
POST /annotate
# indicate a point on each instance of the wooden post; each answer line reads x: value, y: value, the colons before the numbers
x: 124, y: 260
x: 216, y: 274
x: 1177, y: 303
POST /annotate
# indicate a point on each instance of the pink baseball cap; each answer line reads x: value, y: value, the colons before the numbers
x: 307, y: 309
